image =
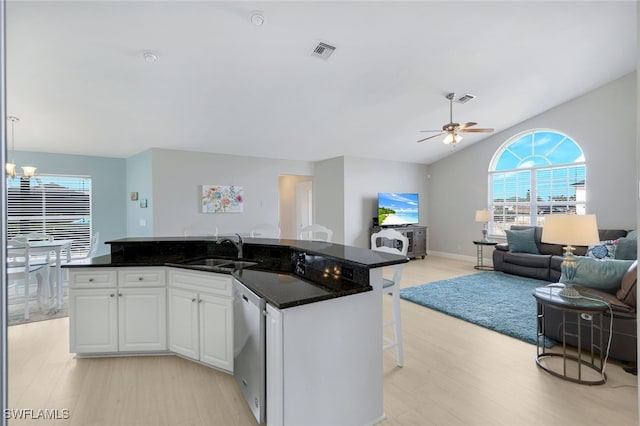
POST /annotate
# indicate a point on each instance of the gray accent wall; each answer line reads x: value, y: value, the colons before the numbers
x: 602, y: 122
x: 107, y: 193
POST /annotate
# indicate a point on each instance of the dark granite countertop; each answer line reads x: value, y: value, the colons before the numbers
x: 358, y: 255
x: 286, y: 290
x: 328, y: 271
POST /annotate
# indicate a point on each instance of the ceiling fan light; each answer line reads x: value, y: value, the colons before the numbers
x: 452, y: 138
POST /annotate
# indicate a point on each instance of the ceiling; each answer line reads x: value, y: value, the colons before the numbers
x: 78, y: 81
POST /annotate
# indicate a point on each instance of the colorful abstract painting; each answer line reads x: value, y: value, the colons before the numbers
x: 222, y: 199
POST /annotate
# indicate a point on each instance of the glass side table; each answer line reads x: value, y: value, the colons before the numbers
x: 480, y: 244
x: 589, y: 314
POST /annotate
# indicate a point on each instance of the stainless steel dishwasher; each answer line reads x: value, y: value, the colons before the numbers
x: 249, y: 347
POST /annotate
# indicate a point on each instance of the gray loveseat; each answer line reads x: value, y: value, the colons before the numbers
x: 545, y: 266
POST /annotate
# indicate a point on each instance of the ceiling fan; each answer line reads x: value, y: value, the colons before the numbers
x: 452, y: 129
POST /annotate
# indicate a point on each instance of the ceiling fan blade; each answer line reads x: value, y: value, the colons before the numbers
x: 431, y: 137
x: 465, y: 125
x: 477, y: 130
x: 439, y: 130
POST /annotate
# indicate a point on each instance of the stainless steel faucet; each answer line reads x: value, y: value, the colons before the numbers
x: 238, y: 244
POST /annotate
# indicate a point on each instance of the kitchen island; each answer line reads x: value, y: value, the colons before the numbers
x: 323, y: 337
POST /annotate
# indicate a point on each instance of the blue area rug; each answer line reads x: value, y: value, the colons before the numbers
x: 494, y: 300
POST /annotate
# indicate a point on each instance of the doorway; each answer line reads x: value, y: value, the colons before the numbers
x: 296, y: 204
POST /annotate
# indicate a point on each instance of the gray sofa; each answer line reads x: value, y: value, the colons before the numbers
x: 546, y: 267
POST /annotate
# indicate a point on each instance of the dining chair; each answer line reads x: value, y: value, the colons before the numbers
x: 21, y: 267
x: 265, y: 230
x: 200, y: 230
x: 315, y: 232
x: 391, y: 241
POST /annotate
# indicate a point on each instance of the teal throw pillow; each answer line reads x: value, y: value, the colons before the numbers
x: 626, y: 249
x: 632, y: 235
x: 600, y: 274
x: 522, y: 241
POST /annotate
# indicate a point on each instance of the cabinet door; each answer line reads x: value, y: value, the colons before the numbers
x: 142, y: 315
x: 420, y: 242
x: 275, y: 372
x: 183, y: 323
x: 216, y: 331
x: 93, y: 320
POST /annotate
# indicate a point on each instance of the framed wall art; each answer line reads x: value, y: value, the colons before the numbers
x: 222, y: 199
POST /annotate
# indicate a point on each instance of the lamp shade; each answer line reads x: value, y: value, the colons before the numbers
x: 483, y: 215
x: 570, y: 229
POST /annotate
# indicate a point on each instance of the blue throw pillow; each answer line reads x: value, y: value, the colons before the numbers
x: 522, y: 241
x: 603, y: 250
x: 599, y: 274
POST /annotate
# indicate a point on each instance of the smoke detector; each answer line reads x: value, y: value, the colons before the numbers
x: 149, y: 57
x: 257, y: 18
x: 323, y: 50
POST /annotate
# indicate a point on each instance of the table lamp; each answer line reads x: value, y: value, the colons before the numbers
x: 570, y: 230
x: 483, y: 216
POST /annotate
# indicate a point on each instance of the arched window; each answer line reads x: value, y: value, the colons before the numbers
x: 534, y: 173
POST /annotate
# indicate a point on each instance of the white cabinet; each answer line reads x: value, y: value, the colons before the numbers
x: 201, y: 316
x: 311, y: 348
x: 117, y: 311
x: 93, y: 325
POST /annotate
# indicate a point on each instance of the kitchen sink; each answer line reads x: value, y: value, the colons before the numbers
x: 218, y: 264
x: 209, y: 262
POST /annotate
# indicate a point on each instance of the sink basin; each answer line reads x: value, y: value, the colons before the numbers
x: 217, y: 264
x: 209, y: 262
x: 238, y: 264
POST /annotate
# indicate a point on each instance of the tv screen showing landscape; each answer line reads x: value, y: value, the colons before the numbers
x: 396, y: 208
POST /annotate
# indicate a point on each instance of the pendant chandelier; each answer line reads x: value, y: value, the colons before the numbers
x: 10, y: 167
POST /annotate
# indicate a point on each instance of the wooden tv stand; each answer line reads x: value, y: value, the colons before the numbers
x: 417, y: 236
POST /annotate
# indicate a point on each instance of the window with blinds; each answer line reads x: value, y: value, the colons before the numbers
x: 535, y: 173
x: 55, y: 205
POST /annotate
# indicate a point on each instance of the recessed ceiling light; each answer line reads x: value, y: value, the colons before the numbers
x: 257, y: 18
x: 149, y: 57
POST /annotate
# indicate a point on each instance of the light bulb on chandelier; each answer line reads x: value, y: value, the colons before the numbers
x: 10, y: 167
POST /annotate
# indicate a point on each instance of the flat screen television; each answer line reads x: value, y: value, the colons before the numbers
x: 397, y: 209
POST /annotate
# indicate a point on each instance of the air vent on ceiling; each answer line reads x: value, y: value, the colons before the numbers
x: 465, y: 98
x: 323, y: 50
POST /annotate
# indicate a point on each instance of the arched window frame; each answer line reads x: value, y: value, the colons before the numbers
x: 538, y: 175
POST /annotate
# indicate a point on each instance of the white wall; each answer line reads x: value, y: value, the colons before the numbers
x: 364, y: 178
x: 328, y: 196
x: 602, y: 122
x: 177, y: 180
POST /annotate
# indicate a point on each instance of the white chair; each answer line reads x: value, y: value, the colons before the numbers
x: 21, y: 267
x: 315, y: 232
x: 200, y: 230
x: 265, y: 230
x: 391, y: 241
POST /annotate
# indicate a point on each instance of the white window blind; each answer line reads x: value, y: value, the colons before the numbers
x: 54, y: 205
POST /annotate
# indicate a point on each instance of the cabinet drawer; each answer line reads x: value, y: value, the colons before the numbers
x: 142, y: 277
x: 209, y: 282
x: 92, y: 278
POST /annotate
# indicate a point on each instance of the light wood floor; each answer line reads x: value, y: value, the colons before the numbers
x: 455, y: 373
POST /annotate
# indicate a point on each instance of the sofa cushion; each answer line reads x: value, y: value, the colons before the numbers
x: 522, y: 241
x: 627, y: 292
x: 604, y: 250
x: 600, y: 274
x: 626, y: 249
